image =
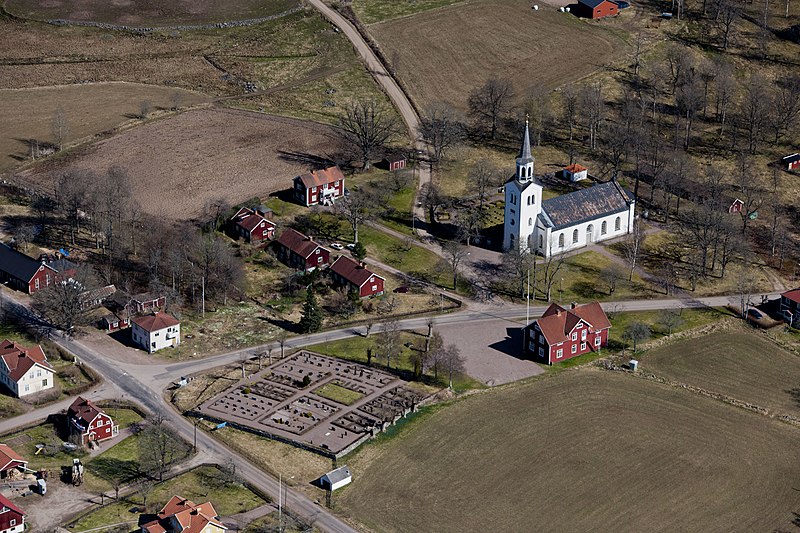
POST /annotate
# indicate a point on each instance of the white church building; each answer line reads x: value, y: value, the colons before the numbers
x: 563, y: 223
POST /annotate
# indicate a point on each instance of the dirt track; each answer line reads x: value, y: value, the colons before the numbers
x: 180, y: 164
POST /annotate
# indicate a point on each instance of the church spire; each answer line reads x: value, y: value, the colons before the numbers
x: 525, y: 159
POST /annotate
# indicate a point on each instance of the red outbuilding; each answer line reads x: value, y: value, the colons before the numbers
x: 356, y: 276
x: 396, y: 162
x: 319, y: 187
x: 301, y: 252
x: 791, y: 162
x: 88, y: 423
x: 561, y: 334
x: 12, y: 518
x: 596, y: 9
x: 24, y: 273
x: 251, y: 226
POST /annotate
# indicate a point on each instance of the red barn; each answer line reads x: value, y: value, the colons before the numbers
x: 791, y: 162
x: 301, y: 252
x: 12, y: 518
x: 356, y: 276
x: 596, y: 9
x: 24, y: 273
x: 560, y: 334
x: 88, y: 423
x: 319, y: 187
x: 251, y: 226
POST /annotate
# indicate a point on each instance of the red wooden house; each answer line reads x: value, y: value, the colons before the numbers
x: 147, y: 302
x: 596, y: 9
x: 790, y: 307
x: 251, y: 226
x: 319, y: 187
x: 88, y: 423
x: 561, y: 334
x: 301, y: 252
x: 10, y: 461
x: 24, y: 273
x: 356, y: 276
x: 113, y: 322
x: 12, y: 518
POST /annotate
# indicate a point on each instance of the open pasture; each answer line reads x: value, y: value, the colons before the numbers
x: 180, y: 164
x: 586, y: 450
x: 446, y: 53
x: 739, y: 364
x: 147, y: 12
x: 88, y: 109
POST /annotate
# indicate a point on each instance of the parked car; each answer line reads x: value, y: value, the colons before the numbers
x: 336, y: 246
x: 350, y: 246
x: 755, y: 314
x: 402, y: 289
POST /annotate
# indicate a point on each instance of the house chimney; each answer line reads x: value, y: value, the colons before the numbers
x: 573, y: 305
x: 362, y: 264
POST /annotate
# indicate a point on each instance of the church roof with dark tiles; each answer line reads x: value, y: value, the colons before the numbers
x: 585, y: 205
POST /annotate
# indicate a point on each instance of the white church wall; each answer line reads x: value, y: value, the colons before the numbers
x: 588, y: 233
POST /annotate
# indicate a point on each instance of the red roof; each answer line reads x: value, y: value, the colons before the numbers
x: 156, y: 321
x: 193, y: 518
x: 19, y: 359
x: 249, y: 219
x: 557, y: 323
x: 575, y: 168
x: 793, y: 295
x: 84, y: 411
x: 353, y: 271
x: 298, y: 243
x: 315, y: 178
x: 8, y: 512
x: 9, y: 457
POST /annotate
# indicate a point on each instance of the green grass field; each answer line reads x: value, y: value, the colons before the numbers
x: 583, y: 449
x: 689, y: 318
x: 199, y: 485
x: 339, y: 394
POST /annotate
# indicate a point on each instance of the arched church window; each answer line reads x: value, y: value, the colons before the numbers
x: 575, y: 236
x: 511, y: 240
x: 617, y: 223
x: 530, y: 221
x: 529, y: 171
x: 541, y: 241
x: 560, y: 240
x: 604, y: 228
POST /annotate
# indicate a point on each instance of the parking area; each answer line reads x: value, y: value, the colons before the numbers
x: 323, y: 403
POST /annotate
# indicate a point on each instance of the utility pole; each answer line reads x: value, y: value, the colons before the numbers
x: 203, y: 283
x: 280, y: 502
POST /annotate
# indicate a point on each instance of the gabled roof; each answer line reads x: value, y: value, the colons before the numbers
x: 557, y: 323
x: 193, y: 518
x: 249, y: 219
x: 791, y: 158
x: 8, y: 457
x: 5, y: 502
x: 100, y: 293
x: 19, y: 359
x: 84, y: 411
x: 156, y: 321
x: 146, y: 297
x: 591, y: 3
x: 340, y: 474
x: 353, y: 271
x: 18, y: 264
x: 793, y: 295
x: 298, y: 243
x: 395, y: 158
x: 315, y: 178
x: 585, y: 205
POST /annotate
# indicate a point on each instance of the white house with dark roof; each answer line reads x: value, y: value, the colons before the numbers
x: 566, y: 222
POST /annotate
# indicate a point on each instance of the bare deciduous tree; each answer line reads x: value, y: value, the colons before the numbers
x: 455, y: 254
x: 490, y: 102
x: 441, y: 127
x: 356, y: 208
x: 367, y: 127
x: 60, y: 128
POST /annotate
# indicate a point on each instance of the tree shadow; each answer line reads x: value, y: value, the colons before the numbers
x: 306, y: 159
x: 795, y: 395
x: 116, y: 469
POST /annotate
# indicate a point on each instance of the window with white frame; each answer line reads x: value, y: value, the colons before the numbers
x: 574, y: 335
x: 559, y: 354
x: 574, y: 348
x: 597, y: 341
x: 583, y: 346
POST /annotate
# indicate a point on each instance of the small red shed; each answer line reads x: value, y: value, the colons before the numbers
x: 791, y: 162
x: 253, y: 227
x: 356, y: 276
x: 596, y: 9
x: 396, y: 162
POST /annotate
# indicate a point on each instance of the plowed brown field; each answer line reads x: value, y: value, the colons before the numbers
x: 585, y: 450
x: 180, y: 164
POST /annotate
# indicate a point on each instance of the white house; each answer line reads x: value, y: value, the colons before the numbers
x: 336, y: 479
x: 566, y: 222
x: 23, y: 370
x: 575, y: 172
x: 156, y: 331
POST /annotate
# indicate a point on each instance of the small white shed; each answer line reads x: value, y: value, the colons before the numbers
x: 336, y: 479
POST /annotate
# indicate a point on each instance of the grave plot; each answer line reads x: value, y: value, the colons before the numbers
x: 314, y: 401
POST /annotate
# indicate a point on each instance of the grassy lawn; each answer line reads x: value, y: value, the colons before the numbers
x: 398, y: 217
x: 52, y: 458
x: 370, y: 11
x: 199, y: 485
x: 403, y: 255
x: 123, y: 417
x: 689, y: 318
x: 121, y: 462
x: 339, y: 394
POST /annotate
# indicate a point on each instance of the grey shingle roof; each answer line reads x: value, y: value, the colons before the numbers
x: 17, y: 264
x: 585, y: 205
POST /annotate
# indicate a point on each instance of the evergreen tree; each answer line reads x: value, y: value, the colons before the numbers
x: 359, y: 251
x: 311, y: 320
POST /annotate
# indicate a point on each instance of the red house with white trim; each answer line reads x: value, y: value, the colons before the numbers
x: 12, y: 518
x: 10, y: 460
x: 251, y: 226
x: 356, y: 276
x: 790, y: 307
x: 319, y: 187
x: 561, y: 334
x: 89, y: 423
x: 301, y: 252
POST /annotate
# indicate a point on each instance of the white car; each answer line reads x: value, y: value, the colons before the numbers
x: 351, y: 246
x: 336, y: 246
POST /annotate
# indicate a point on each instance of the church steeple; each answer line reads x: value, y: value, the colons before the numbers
x: 525, y: 160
